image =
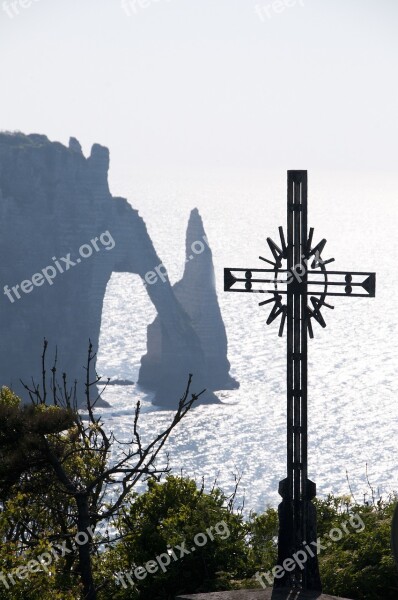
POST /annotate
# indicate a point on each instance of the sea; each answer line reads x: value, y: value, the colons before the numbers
x: 353, y: 366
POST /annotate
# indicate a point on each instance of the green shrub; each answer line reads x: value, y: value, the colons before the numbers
x: 360, y: 565
x: 173, y: 513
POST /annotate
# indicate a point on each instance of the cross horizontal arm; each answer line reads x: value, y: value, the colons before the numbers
x: 355, y: 283
x: 312, y: 292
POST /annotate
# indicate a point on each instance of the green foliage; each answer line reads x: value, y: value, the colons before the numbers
x: 169, y: 514
x: 263, y: 539
x: 22, y: 428
x: 43, y: 584
x: 56, y: 476
x: 8, y: 398
x: 35, y: 512
x: 360, y: 565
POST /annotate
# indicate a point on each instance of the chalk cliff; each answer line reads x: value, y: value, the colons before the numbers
x: 62, y: 234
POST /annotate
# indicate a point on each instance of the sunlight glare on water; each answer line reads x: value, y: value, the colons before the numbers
x: 353, y: 411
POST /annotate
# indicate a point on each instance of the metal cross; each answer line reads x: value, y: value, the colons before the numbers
x: 298, y: 293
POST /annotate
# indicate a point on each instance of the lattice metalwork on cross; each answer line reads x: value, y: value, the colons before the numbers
x: 299, y: 285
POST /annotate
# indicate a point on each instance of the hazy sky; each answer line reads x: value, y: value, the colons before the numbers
x: 208, y: 83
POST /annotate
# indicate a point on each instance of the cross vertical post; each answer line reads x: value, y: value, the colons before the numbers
x: 296, y: 512
x: 298, y: 283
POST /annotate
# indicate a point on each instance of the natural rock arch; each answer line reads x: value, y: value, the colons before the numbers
x: 54, y: 201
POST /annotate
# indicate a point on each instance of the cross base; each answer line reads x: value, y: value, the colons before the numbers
x: 289, y: 555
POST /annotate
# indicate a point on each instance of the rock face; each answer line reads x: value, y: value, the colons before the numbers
x: 197, y: 295
x: 62, y: 236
